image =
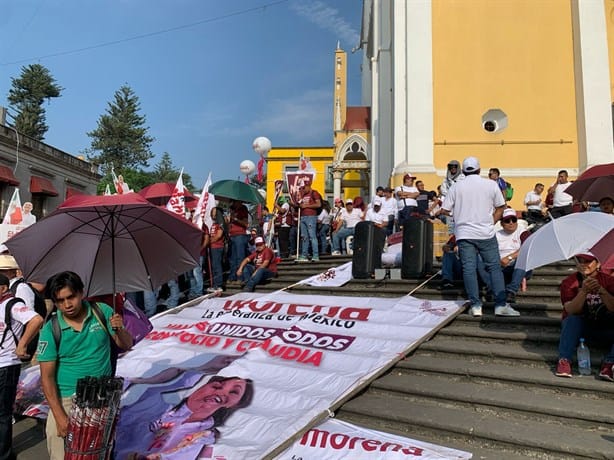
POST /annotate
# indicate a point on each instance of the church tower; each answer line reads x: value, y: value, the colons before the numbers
x: 339, y: 92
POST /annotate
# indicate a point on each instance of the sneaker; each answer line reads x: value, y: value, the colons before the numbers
x: 511, y: 297
x: 447, y: 284
x: 607, y: 372
x: 506, y: 310
x: 212, y: 290
x: 475, y: 310
x: 315, y: 259
x: 302, y: 259
x: 336, y: 253
x: 563, y: 368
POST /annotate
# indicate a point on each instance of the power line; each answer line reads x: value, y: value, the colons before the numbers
x: 150, y: 34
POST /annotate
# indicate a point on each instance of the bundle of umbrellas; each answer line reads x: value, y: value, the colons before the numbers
x: 93, y: 418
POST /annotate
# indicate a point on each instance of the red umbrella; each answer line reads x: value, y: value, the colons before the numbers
x: 594, y: 184
x: 115, y: 243
x: 160, y: 192
x: 604, y: 250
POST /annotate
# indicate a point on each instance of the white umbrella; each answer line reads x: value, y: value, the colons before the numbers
x: 563, y: 238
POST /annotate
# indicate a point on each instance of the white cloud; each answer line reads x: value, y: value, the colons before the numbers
x: 327, y: 18
x: 306, y: 118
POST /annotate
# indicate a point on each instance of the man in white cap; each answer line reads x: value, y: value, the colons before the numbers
x: 258, y: 267
x: 476, y: 204
x: 376, y: 215
x: 509, y: 238
x: 406, y: 198
x: 348, y: 219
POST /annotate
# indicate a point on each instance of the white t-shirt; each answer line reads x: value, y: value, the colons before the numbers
x: 560, y: 197
x: 24, y: 292
x: 532, y: 196
x: 509, y: 242
x: 376, y: 217
x: 389, y: 206
x: 473, y: 201
x: 351, y: 219
x: 21, y: 315
x: 324, y: 217
x: 402, y: 202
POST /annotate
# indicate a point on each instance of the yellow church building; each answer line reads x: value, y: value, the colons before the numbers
x: 524, y: 85
x: 343, y: 169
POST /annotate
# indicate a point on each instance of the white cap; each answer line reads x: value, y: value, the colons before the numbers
x: 471, y: 164
x: 508, y: 212
x: 349, y: 201
x: 259, y: 240
x: 377, y: 202
x: 285, y: 206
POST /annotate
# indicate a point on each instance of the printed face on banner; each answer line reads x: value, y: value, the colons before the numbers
x: 295, y: 182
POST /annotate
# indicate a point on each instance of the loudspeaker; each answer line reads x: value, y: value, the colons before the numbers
x: 368, y: 246
x: 417, y: 256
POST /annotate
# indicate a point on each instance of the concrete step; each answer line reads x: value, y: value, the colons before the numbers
x: 540, y: 403
x: 504, y: 332
x: 535, y: 438
x: 530, y: 375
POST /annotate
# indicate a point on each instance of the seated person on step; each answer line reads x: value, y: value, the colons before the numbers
x: 588, y: 312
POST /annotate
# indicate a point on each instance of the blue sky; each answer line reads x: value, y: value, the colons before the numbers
x: 211, y: 75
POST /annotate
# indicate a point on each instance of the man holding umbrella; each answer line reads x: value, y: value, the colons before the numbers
x: 83, y: 349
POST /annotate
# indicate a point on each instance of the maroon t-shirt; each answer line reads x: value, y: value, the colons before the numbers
x: 258, y: 258
x: 215, y: 228
x: 593, y: 309
x: 241, y: 214
x: 309, y: 198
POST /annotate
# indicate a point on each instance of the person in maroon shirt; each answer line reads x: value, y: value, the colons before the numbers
x: 588, y: 311
x: 259, y: 266
x: 310, y: 203
x: 237, y: 229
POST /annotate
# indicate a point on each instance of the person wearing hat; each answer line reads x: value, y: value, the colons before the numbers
x: 374, y: 214
x: 348, y: 218
x: 10, y: 269
x: 509, y: 239
x: 588, y: 312
x: 310, y: 202
x: 472, y: 202
x: 389, y: 208
x: 406, y: 198
x: 258, y: 267
x: 21, y: 328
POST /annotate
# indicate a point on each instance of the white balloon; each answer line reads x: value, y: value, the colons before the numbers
x: 247, y: 167
x: 261, y: 145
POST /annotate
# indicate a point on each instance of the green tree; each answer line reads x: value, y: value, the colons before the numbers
x: 27, y: 96
x: 165, y: 171
x: 121, y: 136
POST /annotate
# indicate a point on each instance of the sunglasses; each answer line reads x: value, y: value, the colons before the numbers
x: 507, y: 220
x: 452, y: 167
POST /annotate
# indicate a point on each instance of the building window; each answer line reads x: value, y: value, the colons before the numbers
x: 354, y: 152
x: 328, y: 183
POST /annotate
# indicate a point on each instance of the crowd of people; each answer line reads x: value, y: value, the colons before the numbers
x: 486, y: 235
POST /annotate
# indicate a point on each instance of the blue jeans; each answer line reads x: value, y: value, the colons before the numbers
x: 253, y: 277
x: 322, y: 234
x: 451, y: 268
x: 217, y: 268
x: 575, y: 327
x: 238, y: 252
x: 340, y: 236
x: 309, y: 234
x: 196, y: 279
x: 488, y: 250
x: 9, y: 376
x: 150, y: 298
x: 292, y: 240
x: 512, y: 276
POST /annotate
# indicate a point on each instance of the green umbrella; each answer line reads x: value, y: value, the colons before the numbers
x: 236, y: 190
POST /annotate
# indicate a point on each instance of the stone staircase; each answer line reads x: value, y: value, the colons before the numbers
x: 484, y: 385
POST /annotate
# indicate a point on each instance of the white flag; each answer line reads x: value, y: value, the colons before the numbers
x: 333, y: 277
x: 203, y: 209
x: 13, y: 213
x: 176, y: 203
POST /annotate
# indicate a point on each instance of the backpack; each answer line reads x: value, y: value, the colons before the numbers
x: 39, y: 306
x: 97, y: 312
x: 508, y: 193
x: 8, y: 319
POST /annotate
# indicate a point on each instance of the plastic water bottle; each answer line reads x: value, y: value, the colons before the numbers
x: 584, y: 359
